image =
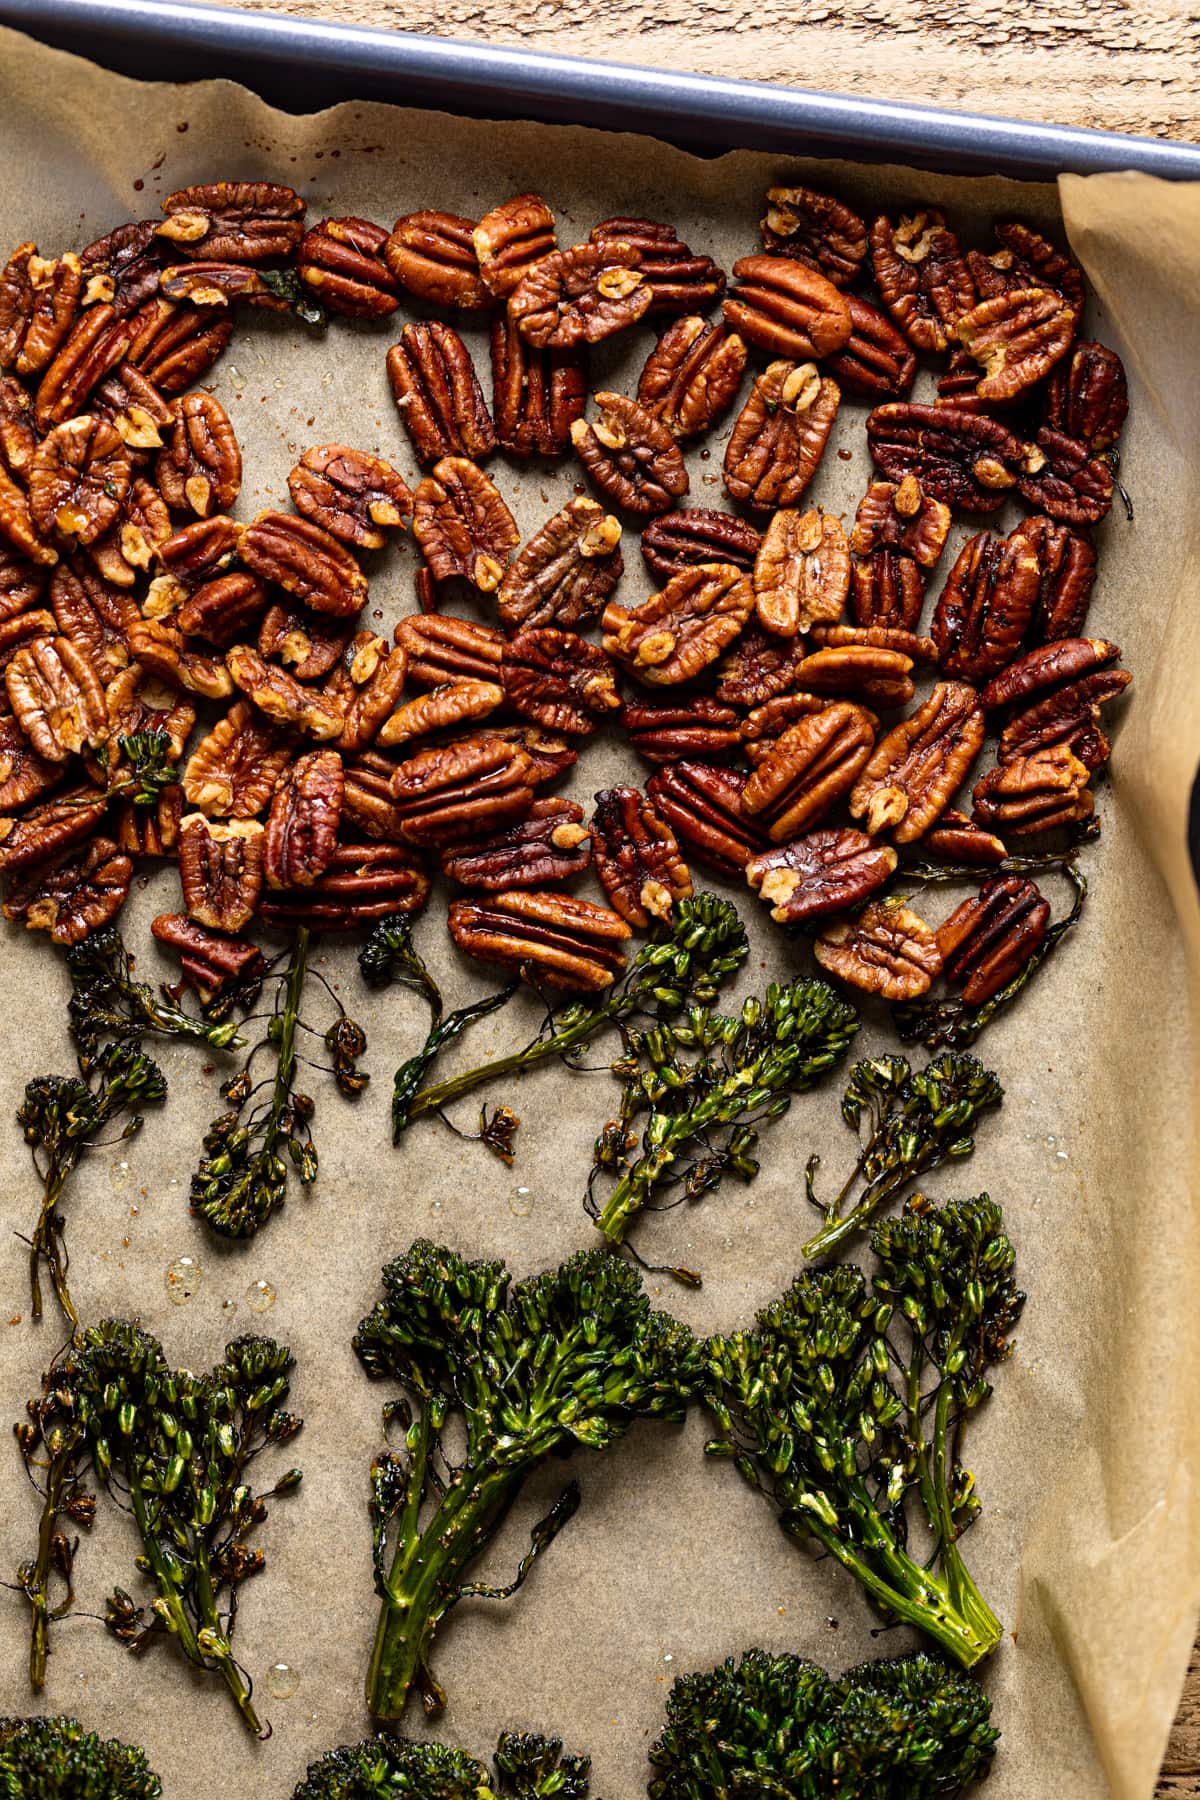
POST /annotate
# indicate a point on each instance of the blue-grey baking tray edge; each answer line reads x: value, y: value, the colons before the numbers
x: 303, y: 64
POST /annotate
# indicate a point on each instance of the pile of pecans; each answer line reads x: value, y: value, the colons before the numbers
x: 332, y: 768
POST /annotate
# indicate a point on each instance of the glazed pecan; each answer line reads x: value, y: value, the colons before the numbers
x: 214, y: 966
x: 887, y: 950
x: 18, y: 439
x: 990, y: 937
x: 923, y: 277
x: 75, y: 897
x: 887, y: 589
x: 46, y: 831
x: 779, y: 436
x: 302, y: 825
x: 668, y: 730
x: 367, y: 802
x: 957, y: 838
x: 876, y: 362
x: 809, y: 767
x: 873, y: 637
x: 787, y: 308
x: 24, y: 775
x: 369, y: 683
x: 537, y: 395
x: 822, y: 873
x: 552, y: 844
x: 162, y: 650
x: 132, y: 543
x: 1066, y: 573
x: 306, y: 561
x: 630, y: 455
x: 16, y: 524
x: 309, y: 646
x: 463, y: 526
x: 437, y: 391
x: 1034, y: 793
x: 765, y: 725
x: 675, y: 634
x: 221, y: 870
x: 441, y: 708
x: 559, y: 680
x: 199, y: 551
x: 137, y: 701
x: 25, y: 629
x: 174, y: 346
x: 899, y: 516
x: 226, y: 610
x: 917, y: 768
x: 510, y: 239
x: 21, y: 583
x: 1026, y: 260
x: 702, y: 803
x: 452, y: 793
x: 442, y: 649
x: 38, y: 301
x: 692, y: 375
x: 96, y: 344
x: 638, y: 859
x: 698, y: 534
x: 78, y: 476
x: 801, y: 573
x: 1087, y: 397
x: 234, y: 221
x: 363, y: 882
x: 550, y: 756
x: 214, y: 284
x: 875, y: 672
x: 1016, y: 338
x: 200, y: 470
x: 341, y: 260
x: 95, y: 616
x: 356, y: 497
x: 984, y: 610
x: 1070, y: 715
x: 581, y: 295
x: 280, y: 696
x: 1064, y: 480
x: 1064, y: 660
x: 758, y: 667
x: 816, y: 229
x: 234, y: 769
x: 131, y: 402
x: 566, y: 571
x: 432, y: 255
x: 150, y: 830
x: 678, y: 279
x: 57, y: 697
x: 550, y: 938
x: 964, y: 459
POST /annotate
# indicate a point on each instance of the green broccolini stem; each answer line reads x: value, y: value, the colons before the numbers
x: 46, y: 1246
x: 560, y: 1043
x: 36, y: 1576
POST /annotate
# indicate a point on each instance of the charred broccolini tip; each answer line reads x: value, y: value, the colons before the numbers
x: 905, y: 1728
x: 56, y: 1759
x: 917, y: 1118
x: 107, y: 1004
x: 568, y: 1357
x: 848, y: 1401
x: 527, y: 1767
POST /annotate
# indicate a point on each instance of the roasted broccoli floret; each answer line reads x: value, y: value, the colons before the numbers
x: 107, y: 1004
x: 911, y: 1728
x: 571, y: 1356
x: 847, y: 1402
x: 56, y: 1759
x: 528, y: 1767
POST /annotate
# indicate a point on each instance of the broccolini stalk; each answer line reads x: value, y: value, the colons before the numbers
x: 704, y: 946
x: 52, y: 1448
x: 812, y: 1412
x: 918, y: 1118
x: 56, y: 1759
x: 746, y: 1070
x: 528, y: 1767
x: 568, y: 1357
x: 108, y: 1004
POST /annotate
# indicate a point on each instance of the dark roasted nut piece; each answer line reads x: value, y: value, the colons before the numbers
x: 437, y: 391
x: 463, y: 526
x: 280, y: 696
x: 306, y: 561
x: 779, y: 436
x: 212, y: 965
x: 537, y: 395
x: 356, y: 497
x: 174, y: 346
x: 873, y: 637
x: 431, y: 255
x: 21, y: 583
x: 984, y: 610
x: 787, y: 309
x: 57, y: 697
x: 918, y: 767
x: 876, y: 362
x: 581, y: 295
x: 802, y: 572
x: 678, y: 279
x: 674, y: 635
x: 692, y: 375
x: 234, y: 221
x: 24, y: 775
x: 16, y: 524
x: 221, y: 870
x: 887, y: 950
x: 162, y: 650
x: 78, y: 476
x: 888, y: 589
x: 150, y: 830
x: 364, y: 882
x: 815, y: 229
x: 38, y: 302
x: 76, y: 897
x: 559, y: 680
x: 1045, y: 667
x: 217, y: 284
x: 957, y: 838
x: 898, y: 516
x: 638, y: 859
x: 702, y: 803
x: 552, y: 844
x: 1064, y: 480
x: 234, y: 769
x: 197, y: 552
x: 990, y: 937
x: 758, y: 667
x: 877, y: 673
x: 698, y: 534
x: 369, y: 683
x: 45, y: 831
x: 131, y: 402
x: 510, y: 239
x: 1070, y: 715
x: 668, y: 730
x: 630, y: 455
x: 341, y: 260
x: 138, y: 701
x: 133, y: 541
x: 452, y: 793
x: 302, y: 825
x: 552, y: 939
x: 226, y: 610
x: 923, y: 277
x: 1026, y: 260
x: 1066, y: 573
x: 965, y: 459
x: 18, y: 439
x: 1016, y: 338
x: 441, y: 709
x: 1034, y: 793
x: 550, y: 756
x: 307, y: 645
x: 94, y: 615
x: 96, y: 344
x: 811, y: 765
x: 25, y: 629
x: 367, y: 802
x: 200, y: 470
x: 825, y: 872
x: 442, y: 649
x: 1087, y: 397
x: 766, y: 724
x: 566, y: 571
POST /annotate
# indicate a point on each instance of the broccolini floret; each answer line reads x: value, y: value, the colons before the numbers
x: 56, y: 1759
x: 528, y: 1767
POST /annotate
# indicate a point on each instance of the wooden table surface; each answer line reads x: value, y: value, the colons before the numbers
x: 1120, y: 65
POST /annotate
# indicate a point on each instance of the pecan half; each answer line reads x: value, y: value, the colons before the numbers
x: 201, y: 550
x: 306, y: 561
x: 917, y: 768
x: 24, y: 775
x: 675, y: 634
x: 1070, y: 715
x: 876, y: 672
x: 200, y: 470
x: 550, y: 756
x: 138, y: 701
x: 309, y: 646
x: 581, y: 296
x: 76, y: 897
x: 510, y: 239
x: 550, y: 938
x: 692, y: 375
x: 131, y: 402
x: 566, y: 571
x: 876, y: 361
x: 678, y: 279
x: 453, y: 793
x: 432, y: 255
x: 815, y: 229
x: 630, y: 455
x: 787, y: 308
x: 1087, y: 396
x: 369, y: 684
x: 367, y: 802
x: 437, y: 391
x: 443, y: 649
x: 702, y: 803
x: 356, y: 497
x: 174, y: 346
x: 1016, y: 338
x: 984, y: 610
x: 132, y: 543
x: 95, y: 616
x: 801, y: 573
x: 923, y: 277
x: 302, y: 825
x: 765, y: 725
x: 811, y: 765
x: 463, y: 526
x: 552, y: 844
x: 96, y: 344
x: 16, y: 524
x: 1064, y: 480
x: 900, y: 516
x: 212, y: 284
x: 21, y: 583
x: 887, y: 950
x: 162, y: 650
x: 78, y: 476
x: 957, y: 838
x: 638, y: 859
x: 990, y: 937
x: 363, y: 882
x: 559, y: 680
x: 221, y: 870
x: 18, y: 439
x: 537, y: 395
x: 698, y: 534
x: 234, y: 221
x: 150, y: 830
x: 214, y: 966
x: 24, y: 629
x: 280, y: 696
x: 758, y: 667
x: 1034, y: 793
x: 1066, y: 573
x: 964, y: 459
x: 779, y: 436
x: 441, y: 708
x: 667, y: 730
x: 1064, y: 660
x: 873, y: 637
x: 226, y: 610
x: 57, y: 697
x: 38, y: 301
x: 341, y: 260
x: 46, y: 831
x: 825, y: 872
x: 1026, y: 260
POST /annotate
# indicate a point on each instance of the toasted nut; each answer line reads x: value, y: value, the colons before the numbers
x: 25, y: 629
x: 581, y: 295
x: 138, y: 701
x: 679, y: 280
x: 221, y: 870
x: 94, y: 615
x: 455, y: 703
x: 18, y: 439
x: 367, y: 802
x: 989, y: 938
x: 281, y: 697
x: 451, y: 793
x: 150, y: 830
x: 959, y: 839
x: 74, y: 898
x: 787, y: 309
x: 511, y: 239
x: 1066, y: 573
x: 305, y: 561
x: 817, y: 230
x: 1026, y: 260
x: 825, y: 872
x: 57, y: 697
x: 364, y: 882
x: 663, y: 729
x: 443, y: 649
x: 549, y: 755
x: 900, y: 516
x: 225, y: 610
x: 1034, y: 793
x: 1016, y: 339
x: 537, y: 395
x: 1045, y: 667
x: 638, y: 858
x: 691, y: 377
x: 16, y: 524
x: 923, y: 277
x: 758, y: 667
x: 887, y: 950
x: 918, y: 767
x: 96, y: 344
x: 214, y: 966
x: 630, y: 455
x: 1087, y: 396
x: 1070, y: 715
x: 236, y: 221
x: 162, y: 650
x: 887, y: 589
x: 356, y: 497
x: 677, y: 633
x: 874, y: 637
x: 551, y: 844
x: 341, y: 260
x: 438, y: 394
x: 431, y: 254
x: 200, y: 470
x: 985, y: 607
x: 131, y: 544
x: 45, y: 831
x: 566, y: 571
x: 812, y: 764
x: 463, y: 527
x: 38, y: 303
x: 1065, y: 480
x: 702, y: 803
x: 876, y: 362
x: 550, y: 938
x: 964, y: 459
x: 219, y: 284
x: 174, y: 346
x: 801, y: 573
x: 766, y: 724
x: 779, y: 436
x: 24, y: 775
x: 698, y: 534
x: 302, y: 825
x: 879, y: 674
x: 304, y: 643
x: 369, y: 683
x: 78, y: 477
x: 559, y: 680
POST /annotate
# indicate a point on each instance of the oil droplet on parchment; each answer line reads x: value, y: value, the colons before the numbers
x: 520, y: 1202
x: 260, y: 1296
x: 282, y: 1680
x: 183, y: 1279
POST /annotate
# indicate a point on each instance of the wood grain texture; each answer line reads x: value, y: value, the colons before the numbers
x: 1117, y: 65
